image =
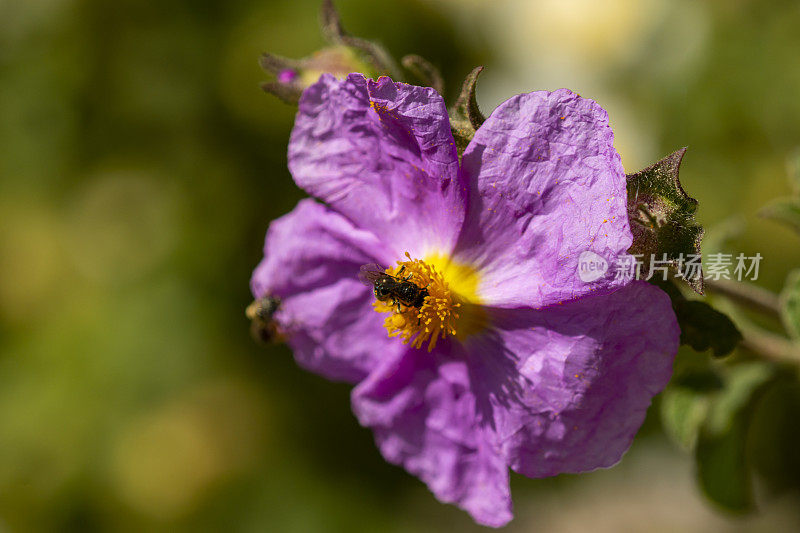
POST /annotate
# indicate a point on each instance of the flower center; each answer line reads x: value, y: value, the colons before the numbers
x: 450, y: 306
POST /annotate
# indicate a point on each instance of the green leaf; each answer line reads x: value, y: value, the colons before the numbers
x: 700, y: 380
x: 790, y: 304
x: 721, y: 470
x: 465, y: 115
x: 720, y: 456
x: 683, y: 411
x: 787, y: 210
x: 741, y: 383
x: 774, y: 437
x: 784, y: 210
x: 711, y: 412
x: 702, y: 326
x: 717, y: 237
x: 662, y: 217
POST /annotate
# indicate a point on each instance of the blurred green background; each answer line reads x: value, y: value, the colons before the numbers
x: 140, y: 165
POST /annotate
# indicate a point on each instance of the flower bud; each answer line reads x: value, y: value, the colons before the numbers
x: 345, y: 54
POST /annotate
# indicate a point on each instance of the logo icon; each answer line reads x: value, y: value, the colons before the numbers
x: 591, y: 266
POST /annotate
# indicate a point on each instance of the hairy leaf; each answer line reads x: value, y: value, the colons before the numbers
x: 465, y: 116
x: 662, y: 218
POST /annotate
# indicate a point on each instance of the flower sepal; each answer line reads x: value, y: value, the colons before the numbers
x: 425, y: 71
x: 379, y: 61
x: 345, y: 54
x: 465, y: 115
x: 662, y: 218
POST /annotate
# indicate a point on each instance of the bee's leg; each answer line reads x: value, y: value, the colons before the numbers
x: 398, y: 307
x: 400, y: 272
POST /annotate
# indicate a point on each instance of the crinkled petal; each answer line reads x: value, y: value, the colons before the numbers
x: 422, y: 411
x: 568, y: 387
x: 382, y: 154
x: 546, y: 185
x: 311, y: 261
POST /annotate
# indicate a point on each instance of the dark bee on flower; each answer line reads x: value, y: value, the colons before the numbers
x: 397, y: 289
x: 263, y: 327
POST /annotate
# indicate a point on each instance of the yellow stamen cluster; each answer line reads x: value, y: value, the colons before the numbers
x: 441, y: 310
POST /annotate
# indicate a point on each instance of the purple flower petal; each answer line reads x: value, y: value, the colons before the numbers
x: 422, y: 411
x: 287, y: 75
x: 561, y: 379
x: 382, y: 154
x: 568, y: 386
x: 562, y: 389
x: 546, y: 185
x: 311, y: 261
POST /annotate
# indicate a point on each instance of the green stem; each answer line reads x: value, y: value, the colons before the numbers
x: 747, y: 294
x: 770, y: 345
x: 757, y: 340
